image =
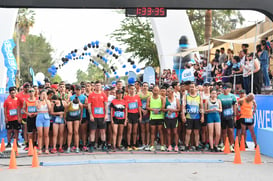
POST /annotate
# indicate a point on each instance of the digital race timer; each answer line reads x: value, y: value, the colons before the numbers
x: 146, y: 12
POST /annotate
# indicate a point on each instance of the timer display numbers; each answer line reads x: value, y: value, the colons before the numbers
x: 146, y: 12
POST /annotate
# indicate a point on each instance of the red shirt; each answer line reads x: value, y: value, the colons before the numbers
x: 21, y: 99
x: 119, y: 107
x: 133, y: 103
x: 97, y: 104
x: 11, y: 106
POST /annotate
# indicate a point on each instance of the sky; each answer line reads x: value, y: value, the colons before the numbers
x: 68, y: 29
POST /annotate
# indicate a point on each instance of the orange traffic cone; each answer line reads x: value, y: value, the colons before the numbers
x: 227, y: 146
x: 257, y: 159
x: 237, y: 158
x: 242, y: 144
x: 30, y: 148
x: 3, y: 147
x: 14, y: 147
x: 35, y: 161
x: 12, y: 162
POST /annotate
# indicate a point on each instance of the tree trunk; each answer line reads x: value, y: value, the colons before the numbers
x: 208, y: 25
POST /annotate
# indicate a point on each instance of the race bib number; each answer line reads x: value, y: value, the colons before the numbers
x: 13, y: 112
x: 228, y: 112
x: 192, y: 109
x: 98, y: 110
x: 74, y: 113
x: 133, y: 105
x: 248, y: 120
x: 32, y: 109
x: 22, y: 111
x: 144, y: 104
x: 58, y: 119
x: 157, y: 112
x: 46, y: 116
x: 171, y: 116
x: 119, y: 114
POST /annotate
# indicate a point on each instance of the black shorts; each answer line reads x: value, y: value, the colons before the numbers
x: 171, y: 123
x: 85, y: 120
x: 24, y: 121
x: 119, y: 121
x: 73, y: 118
x: 98, y: 123
x: 156, y: 122
x: 238, y: 124
x: 193, y: 124
x: 13, y: 125
x: 227, y: 123
x: 247, y: 122
x: 133, y: 118
x: 205, y: 123
x: 31, y: 124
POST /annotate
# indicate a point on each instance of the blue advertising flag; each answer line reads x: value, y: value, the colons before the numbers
x: 10, y: 62
x: 34, y: 81
x: 149, y: 75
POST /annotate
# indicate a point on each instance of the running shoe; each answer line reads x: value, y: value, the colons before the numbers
x: 206, y: 147
x: 8, y: 145
x: 68, y: 150
x: 26, y: 148
x: 73, y: 149
x: 77, y: 150
x: 162, y: 148
x: 114, y: 149
x: 211, y: 149
x: 47, y: 152
x: 176, y: 148
x: 120, y: 148
x: 187, y: 148
x: 170, y: 148
x: 54, y: 150
x: 129, y: 148
x: 142, y: 147
x: 182, y: 148
x: 246, y: 145
x: 39, y: 152
x: 147, y: 148
x: 134, y: 148
x: 104, y: 148
x: 84, y: 148
x: 152, y: 148
x: 91, y: 149
x: 18, y: 146
x: 232, y: 148
x: 215, y: 149
x: 60, y: 150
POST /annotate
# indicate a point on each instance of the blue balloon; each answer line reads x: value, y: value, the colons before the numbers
x: 74, y: 54
x: 107, y: 50
x: 134, y: 66
x: 114, y: 83
x: 111, y: 53
x: 120, y: 52
x: 85, y: 54
x: 89, y: 54
x: 138, y: 70
x: 97, y: 42
x: 124, y: 66
x: 131, y: 80
x: 117, y: 76
x: 49, y: 70
x: 93, y: 43
x: 126, y: 73
x: 115, y: 73
x: 116, y: 49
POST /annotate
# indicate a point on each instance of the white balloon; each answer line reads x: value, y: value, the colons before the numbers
x: 42, y: 82
x: 40, y: 76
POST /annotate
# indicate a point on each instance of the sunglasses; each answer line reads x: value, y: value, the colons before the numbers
x: 31, y: 91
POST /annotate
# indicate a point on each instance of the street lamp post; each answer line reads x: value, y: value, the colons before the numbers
x: 18, y: 78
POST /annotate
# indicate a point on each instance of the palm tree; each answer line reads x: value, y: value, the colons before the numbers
x: 208, y: 25
x: 25, y: 20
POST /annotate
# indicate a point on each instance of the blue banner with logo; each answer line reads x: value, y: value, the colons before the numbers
x: 34, y: 81
x: 10, y: 62
x: 149, y: 75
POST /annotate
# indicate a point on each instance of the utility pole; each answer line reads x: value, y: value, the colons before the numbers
x: 18, y: 77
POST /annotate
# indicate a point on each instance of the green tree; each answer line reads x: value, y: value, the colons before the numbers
x: 138, y: 36
x: 222, y: 22
x: 35, y: 53
x: 56, y: 78
x: 93, y: 73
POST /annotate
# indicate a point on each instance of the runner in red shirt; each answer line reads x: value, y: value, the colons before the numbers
x: 11, y: 116
x: 134, y: 115
x: 98, y: 110
x: 22, y: 118
x: 118, y: 118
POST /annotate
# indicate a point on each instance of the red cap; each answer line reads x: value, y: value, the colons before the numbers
x: 54, y: 86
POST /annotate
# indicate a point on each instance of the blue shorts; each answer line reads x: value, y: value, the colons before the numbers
x: 41, y: 120
x: 213, y: 117
x: 58, y: 120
